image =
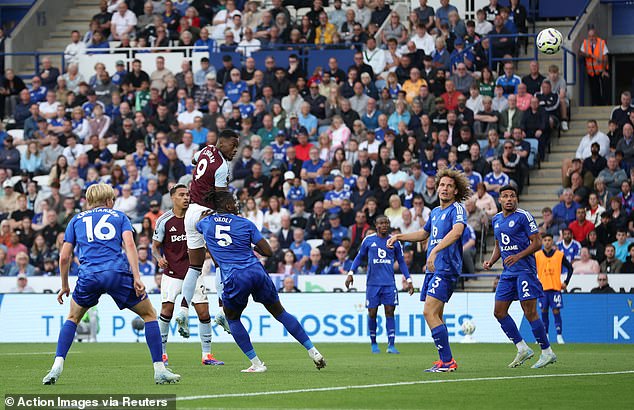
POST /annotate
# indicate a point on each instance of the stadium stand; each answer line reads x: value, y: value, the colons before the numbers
x: 322, y: 111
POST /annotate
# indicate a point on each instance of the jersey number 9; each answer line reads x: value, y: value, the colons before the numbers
x: 98, y: 230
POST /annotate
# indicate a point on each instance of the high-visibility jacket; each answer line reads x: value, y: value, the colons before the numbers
x: 598, y: 64
x: 549, y: 269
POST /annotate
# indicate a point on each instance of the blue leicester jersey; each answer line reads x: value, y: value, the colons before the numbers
x: 512, y: 233
x: 229, y: 238
x: 97, y: 235
x: 571, y: 251
x: 440, y: 223
x: 380, y: 260
x: 474, y: 179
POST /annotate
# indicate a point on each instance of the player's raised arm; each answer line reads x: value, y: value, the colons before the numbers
x: 65, y: 259
x: 418, y: 236
x: 133, y: 260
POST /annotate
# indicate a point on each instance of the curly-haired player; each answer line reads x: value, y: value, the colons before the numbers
x: 444, y: 258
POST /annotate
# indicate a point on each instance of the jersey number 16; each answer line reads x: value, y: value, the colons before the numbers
x: 98, y: 230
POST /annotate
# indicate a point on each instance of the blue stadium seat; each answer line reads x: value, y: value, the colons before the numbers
x: 216, y: 59
x: 533, y: 157
x: 319, y: 58
x: 483, y: 144
x: 280, y: 57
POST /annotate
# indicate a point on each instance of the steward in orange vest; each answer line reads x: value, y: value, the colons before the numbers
x: 595, y: 51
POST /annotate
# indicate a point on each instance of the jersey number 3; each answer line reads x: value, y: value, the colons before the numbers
x: 223, y: 237
x: 103, y: 231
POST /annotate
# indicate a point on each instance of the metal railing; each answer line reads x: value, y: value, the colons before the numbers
x: 574, y: 26
x: 513, y: 36
x: 37, y: 56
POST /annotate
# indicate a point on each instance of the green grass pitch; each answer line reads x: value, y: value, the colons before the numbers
x: 125, y: 369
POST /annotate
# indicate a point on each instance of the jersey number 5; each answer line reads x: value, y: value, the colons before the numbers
x: 223, y: 237
x: 98, y: 230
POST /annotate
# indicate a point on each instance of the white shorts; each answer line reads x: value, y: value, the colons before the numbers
x: 195, y: 239
x: 172, y: 287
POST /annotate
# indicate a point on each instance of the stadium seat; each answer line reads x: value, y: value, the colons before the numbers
x: 42, y: 181
x: 87, y: 147
x: 216, y: 59
x: 137, y: 227
x: 280, y: 57
x: 17, y: 134
x: 483, y: 143
x: 314, y: 243
x: 14, y: 179
x: 112, y: 148
x: 319, y: 58
x: 533, y: 157
x: 22, y: 149
x: 120, y: 162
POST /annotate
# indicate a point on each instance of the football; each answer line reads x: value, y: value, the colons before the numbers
x: 549, y: 41
x: 468, y: 327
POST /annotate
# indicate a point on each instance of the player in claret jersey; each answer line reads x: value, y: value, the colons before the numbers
x: 444, y: 230
x: 169, y: 247
x: 211, y: 175
x: 229, y: 238
x: 381, y: 288
x: 516, y: 241
x: 98, y: 234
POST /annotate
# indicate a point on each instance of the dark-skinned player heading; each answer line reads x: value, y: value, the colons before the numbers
x: 169, y: 247
x: 381, y: 287
x: 211, y: 175
x: 229, y: 238
x: 516, y: 241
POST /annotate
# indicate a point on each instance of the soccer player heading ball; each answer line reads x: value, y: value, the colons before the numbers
x: 381, y: 289
x: 103, y: 268
x: 516, y: 241
x: 211, y: 176
x: 444, y: 230
x: 229, y: 238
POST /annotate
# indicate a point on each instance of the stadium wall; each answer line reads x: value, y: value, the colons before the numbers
x: 335, y: 317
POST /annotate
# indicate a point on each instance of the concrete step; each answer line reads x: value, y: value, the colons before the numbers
x: 552, y: 180
x: 560, y: 156
x: 557, y: 24
x: 540, y: 190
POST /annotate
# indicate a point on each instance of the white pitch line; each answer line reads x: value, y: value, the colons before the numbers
x: 371, y: 386
x: 30, y: 353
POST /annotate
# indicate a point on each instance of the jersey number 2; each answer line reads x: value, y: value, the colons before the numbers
x: 104, y: 230
x: 223, y: 237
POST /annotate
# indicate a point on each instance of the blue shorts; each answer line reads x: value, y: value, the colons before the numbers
x: 438, y: 285
x: 253, y: 280
x: 522, y: 287
x: 551, y: 299
x: 380, y: 295
x: 119, y: 285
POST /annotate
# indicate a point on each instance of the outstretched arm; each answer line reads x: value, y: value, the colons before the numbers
x: 418, y: 236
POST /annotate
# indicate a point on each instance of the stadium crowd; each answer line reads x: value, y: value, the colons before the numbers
x: 321, y: 154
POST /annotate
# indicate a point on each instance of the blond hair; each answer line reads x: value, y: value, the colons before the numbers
x: 99, y: 194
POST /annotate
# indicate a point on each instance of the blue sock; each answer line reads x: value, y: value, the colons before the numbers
x: 546, y: 319
x: 510, y: 328
x: 295, y: 328
x: 540, y: 333
x: 441, y: 339
x: 154, y: 340
x: 189, y: 283
x: 558, y: 322
x: 241, y: 336
x: 390, y: 326
x: 65, y: 339
x: 372, y: 328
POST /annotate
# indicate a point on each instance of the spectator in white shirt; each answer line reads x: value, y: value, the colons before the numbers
x: 186, y: 150
x: 593, y: 135
x: 423, y: 40
x: 396, y: 177
x: 48, y: 108
x: 75, y: 48
x: 127, y: 202
x: 371, y: 145
x: 248, y: 45
x: 122, y: 22
x: 405, y: 223
x: 374, y: 56
x: 186, y: 118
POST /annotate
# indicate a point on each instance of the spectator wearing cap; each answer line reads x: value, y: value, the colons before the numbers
x: 200, y: 76
x: 280, y: 145
x: 120, y: 73
x: 22, y: 284
x: 155, y: 211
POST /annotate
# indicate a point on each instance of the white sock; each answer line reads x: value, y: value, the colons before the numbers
x: 59, y: 362
x: 521, y: 346
x: 159, y: 366
x: 185, y: 310
x: 205, y: 337
x: 165, y: 327
x: 312, y: 351
x: 548, y: 350
x: 256, y: 361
